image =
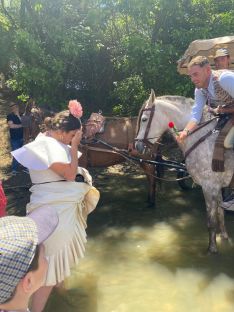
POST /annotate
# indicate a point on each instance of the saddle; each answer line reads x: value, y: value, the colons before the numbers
x: 224, y: 125
x: 94, y: 125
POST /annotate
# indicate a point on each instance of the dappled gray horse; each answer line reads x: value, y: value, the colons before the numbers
x: 157, y: 112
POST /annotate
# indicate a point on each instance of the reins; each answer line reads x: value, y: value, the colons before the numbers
x: 172, y: 164
x: 145, y: 139
x: 168, y: 163
x: 201, y: 139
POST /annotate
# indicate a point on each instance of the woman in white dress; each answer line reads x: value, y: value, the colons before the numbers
x: 53, y: 168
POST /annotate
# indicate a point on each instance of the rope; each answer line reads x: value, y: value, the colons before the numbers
x: 172, y: 164
x: 158, y: 178
x: 134, y: 159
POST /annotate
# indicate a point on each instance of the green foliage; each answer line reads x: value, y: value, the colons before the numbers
x: 61, y: 49
x: 129, y: 95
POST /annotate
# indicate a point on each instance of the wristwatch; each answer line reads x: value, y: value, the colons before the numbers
x: 187, y: 131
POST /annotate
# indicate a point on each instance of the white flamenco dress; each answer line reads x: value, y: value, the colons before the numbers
x: 73, y: 202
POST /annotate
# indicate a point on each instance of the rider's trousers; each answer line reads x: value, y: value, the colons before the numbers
x: 229, y: 140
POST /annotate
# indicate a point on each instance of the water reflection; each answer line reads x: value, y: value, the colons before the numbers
x: 142, y: 260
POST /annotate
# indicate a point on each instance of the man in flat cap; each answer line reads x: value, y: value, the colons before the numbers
x: 222, y: 59
x: 23, y: 266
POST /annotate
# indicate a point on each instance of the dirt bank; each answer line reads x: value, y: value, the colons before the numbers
x: 16, y: 187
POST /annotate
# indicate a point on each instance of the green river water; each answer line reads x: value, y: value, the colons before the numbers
x: 148, y: 260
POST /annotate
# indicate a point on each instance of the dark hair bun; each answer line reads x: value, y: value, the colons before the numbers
x: 62, y: 121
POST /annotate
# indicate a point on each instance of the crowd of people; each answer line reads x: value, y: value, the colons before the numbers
x: 37, y: 252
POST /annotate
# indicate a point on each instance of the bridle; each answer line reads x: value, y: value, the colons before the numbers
x: 145, y: 139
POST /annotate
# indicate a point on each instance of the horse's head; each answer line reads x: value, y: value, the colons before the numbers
x: 155, y: 115
x: 94, y: 125
x: 147, y: 132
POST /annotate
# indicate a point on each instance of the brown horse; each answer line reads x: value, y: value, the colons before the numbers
x: 31, y: 120
x: 119, y: 132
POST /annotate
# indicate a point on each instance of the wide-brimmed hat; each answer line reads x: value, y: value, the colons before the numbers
x: 19, y: 237
x: 221, y: 52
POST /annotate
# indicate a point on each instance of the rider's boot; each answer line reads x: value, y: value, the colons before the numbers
x: 228, y: 196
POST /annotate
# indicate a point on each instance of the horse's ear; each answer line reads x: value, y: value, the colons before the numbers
x: 152, y: 96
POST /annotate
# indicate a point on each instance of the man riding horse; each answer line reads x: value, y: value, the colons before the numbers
x: 216, y: 89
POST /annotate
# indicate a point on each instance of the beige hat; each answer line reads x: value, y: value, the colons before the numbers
x: 221, y: 52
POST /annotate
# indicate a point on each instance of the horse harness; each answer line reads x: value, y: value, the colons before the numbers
x: 223, y: 121
x: 153, y: 147
x: 202, y: 139
x: 149, y: 144
x: 94, y: 125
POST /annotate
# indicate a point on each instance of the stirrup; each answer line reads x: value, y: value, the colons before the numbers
x: 228, y: 205
x: 228, y: 202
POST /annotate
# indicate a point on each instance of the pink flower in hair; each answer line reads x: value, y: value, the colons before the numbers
x: 75, y: 108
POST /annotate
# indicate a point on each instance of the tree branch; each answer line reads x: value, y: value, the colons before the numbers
x: 7, y: 14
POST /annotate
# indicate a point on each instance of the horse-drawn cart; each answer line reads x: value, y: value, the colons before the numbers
x: 206, y: 47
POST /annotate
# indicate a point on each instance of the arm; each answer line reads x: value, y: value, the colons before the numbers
x: 69, y: 171
x: 11, y: 125
x: 196, y: 115
x: 225, y: 110
x: 227, y: 83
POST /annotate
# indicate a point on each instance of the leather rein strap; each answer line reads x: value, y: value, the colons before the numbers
x: 152, y: 109
x: 145, y: 138
x: 202, y: 139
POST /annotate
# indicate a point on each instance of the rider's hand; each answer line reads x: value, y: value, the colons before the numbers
x: 218, y: 110
x: 182, y: 136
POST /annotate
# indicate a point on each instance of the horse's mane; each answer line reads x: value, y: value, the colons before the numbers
x: 176, y: 99
x: 111, y: 118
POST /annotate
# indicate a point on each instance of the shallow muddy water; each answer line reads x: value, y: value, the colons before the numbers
x: 148, y: 260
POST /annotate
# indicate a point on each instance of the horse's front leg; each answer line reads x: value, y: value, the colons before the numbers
x: 221, y: 221
x: 211, y: 200
x: 150, y: 174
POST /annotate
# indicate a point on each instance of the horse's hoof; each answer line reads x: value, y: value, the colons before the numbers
x: 212, y: 251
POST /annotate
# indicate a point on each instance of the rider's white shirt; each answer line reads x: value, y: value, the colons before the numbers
x: 226, y: 81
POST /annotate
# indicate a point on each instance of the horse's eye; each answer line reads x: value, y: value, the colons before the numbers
x: 144, y: 119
